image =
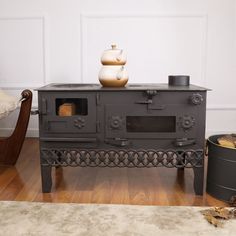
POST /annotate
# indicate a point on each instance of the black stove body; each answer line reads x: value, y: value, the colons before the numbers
x: 140, y: 125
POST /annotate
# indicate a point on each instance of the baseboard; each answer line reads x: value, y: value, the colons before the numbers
x: 6, y: 132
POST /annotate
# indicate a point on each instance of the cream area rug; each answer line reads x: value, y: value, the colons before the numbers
x: 62, y: 219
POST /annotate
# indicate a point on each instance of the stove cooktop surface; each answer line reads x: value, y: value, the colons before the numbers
x: 140, y: 86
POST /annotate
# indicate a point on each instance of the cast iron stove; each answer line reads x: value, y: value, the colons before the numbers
x: 140, y: 125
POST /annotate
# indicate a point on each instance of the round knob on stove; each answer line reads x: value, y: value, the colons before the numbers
x: 79, y: 123
x: 115, y: 122
x: 187, y: 122
x: 196, y: 99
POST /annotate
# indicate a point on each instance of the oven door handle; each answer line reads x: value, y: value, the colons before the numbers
x: 151, y: 105
x: 184, y: 142
x: 149, y: 101
x: 119, y: 142
x: 156, y: 107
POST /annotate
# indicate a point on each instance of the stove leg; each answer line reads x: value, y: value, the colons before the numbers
x: 180, y: 168
x: 46, y: 178
x: 198, y: 180
x: 181, y: 163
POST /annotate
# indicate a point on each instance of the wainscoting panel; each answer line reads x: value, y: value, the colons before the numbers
x: 221, y: 122
x: 157, y: 45
x: 22, y: 52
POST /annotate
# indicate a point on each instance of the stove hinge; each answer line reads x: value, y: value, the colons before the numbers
x: 149, y: 102
x: 98, y: 100
x: 44, y: 107
x: 98, y: 126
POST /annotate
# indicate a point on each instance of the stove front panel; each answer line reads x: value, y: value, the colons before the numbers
x: 170, y: 116
x: 127, y: 119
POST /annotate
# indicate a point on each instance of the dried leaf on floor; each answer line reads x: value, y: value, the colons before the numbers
x: 222, y: 212
x: 212, y: 220
x: 217, y: 215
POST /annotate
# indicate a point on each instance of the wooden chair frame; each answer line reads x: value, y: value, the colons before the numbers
x: 10, y: 147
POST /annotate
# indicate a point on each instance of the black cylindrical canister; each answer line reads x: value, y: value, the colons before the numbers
x: 221, y: 174
x: 178, y: 80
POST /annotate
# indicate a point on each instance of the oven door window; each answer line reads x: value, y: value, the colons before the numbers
x: 151, y: 124
x: 71, y: 106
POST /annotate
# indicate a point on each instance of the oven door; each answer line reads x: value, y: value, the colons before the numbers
x: 67, y: 112
x: 140, y: 122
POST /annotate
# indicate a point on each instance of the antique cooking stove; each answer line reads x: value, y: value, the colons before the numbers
x: 140, y: 125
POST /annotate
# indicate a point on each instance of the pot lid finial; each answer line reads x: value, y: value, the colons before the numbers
x: 113, y: 46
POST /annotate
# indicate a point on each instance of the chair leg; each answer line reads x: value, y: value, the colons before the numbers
x: 10, y: 147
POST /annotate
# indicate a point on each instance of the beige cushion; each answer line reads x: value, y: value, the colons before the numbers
x: 8, y: 103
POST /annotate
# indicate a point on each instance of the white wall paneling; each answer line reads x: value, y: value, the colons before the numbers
x: 157, y: 45
x: 22, y: 52
x: 221, y: 124
x: 22, y: 63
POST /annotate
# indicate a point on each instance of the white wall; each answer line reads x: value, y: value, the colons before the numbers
x: 43, y: 41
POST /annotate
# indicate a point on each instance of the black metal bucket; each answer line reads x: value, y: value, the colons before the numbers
x: 221, y: 175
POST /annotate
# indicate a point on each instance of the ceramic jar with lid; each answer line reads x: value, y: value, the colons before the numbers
x: 113, y: 56
x: 113, y: 73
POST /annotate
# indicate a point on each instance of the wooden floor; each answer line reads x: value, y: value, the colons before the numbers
x: 153, y: 186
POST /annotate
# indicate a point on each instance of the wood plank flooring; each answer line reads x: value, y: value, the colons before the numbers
x: 153, y: 186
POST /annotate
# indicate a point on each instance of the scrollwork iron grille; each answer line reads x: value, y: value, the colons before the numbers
x: 122, y: 158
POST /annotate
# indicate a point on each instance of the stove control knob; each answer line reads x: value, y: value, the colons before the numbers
x: 187, y: 122
x: 79, y: 123
x: 116, y: 122
x: 196, y: 99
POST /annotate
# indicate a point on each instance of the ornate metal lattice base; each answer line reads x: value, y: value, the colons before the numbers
x: 121, y: 158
